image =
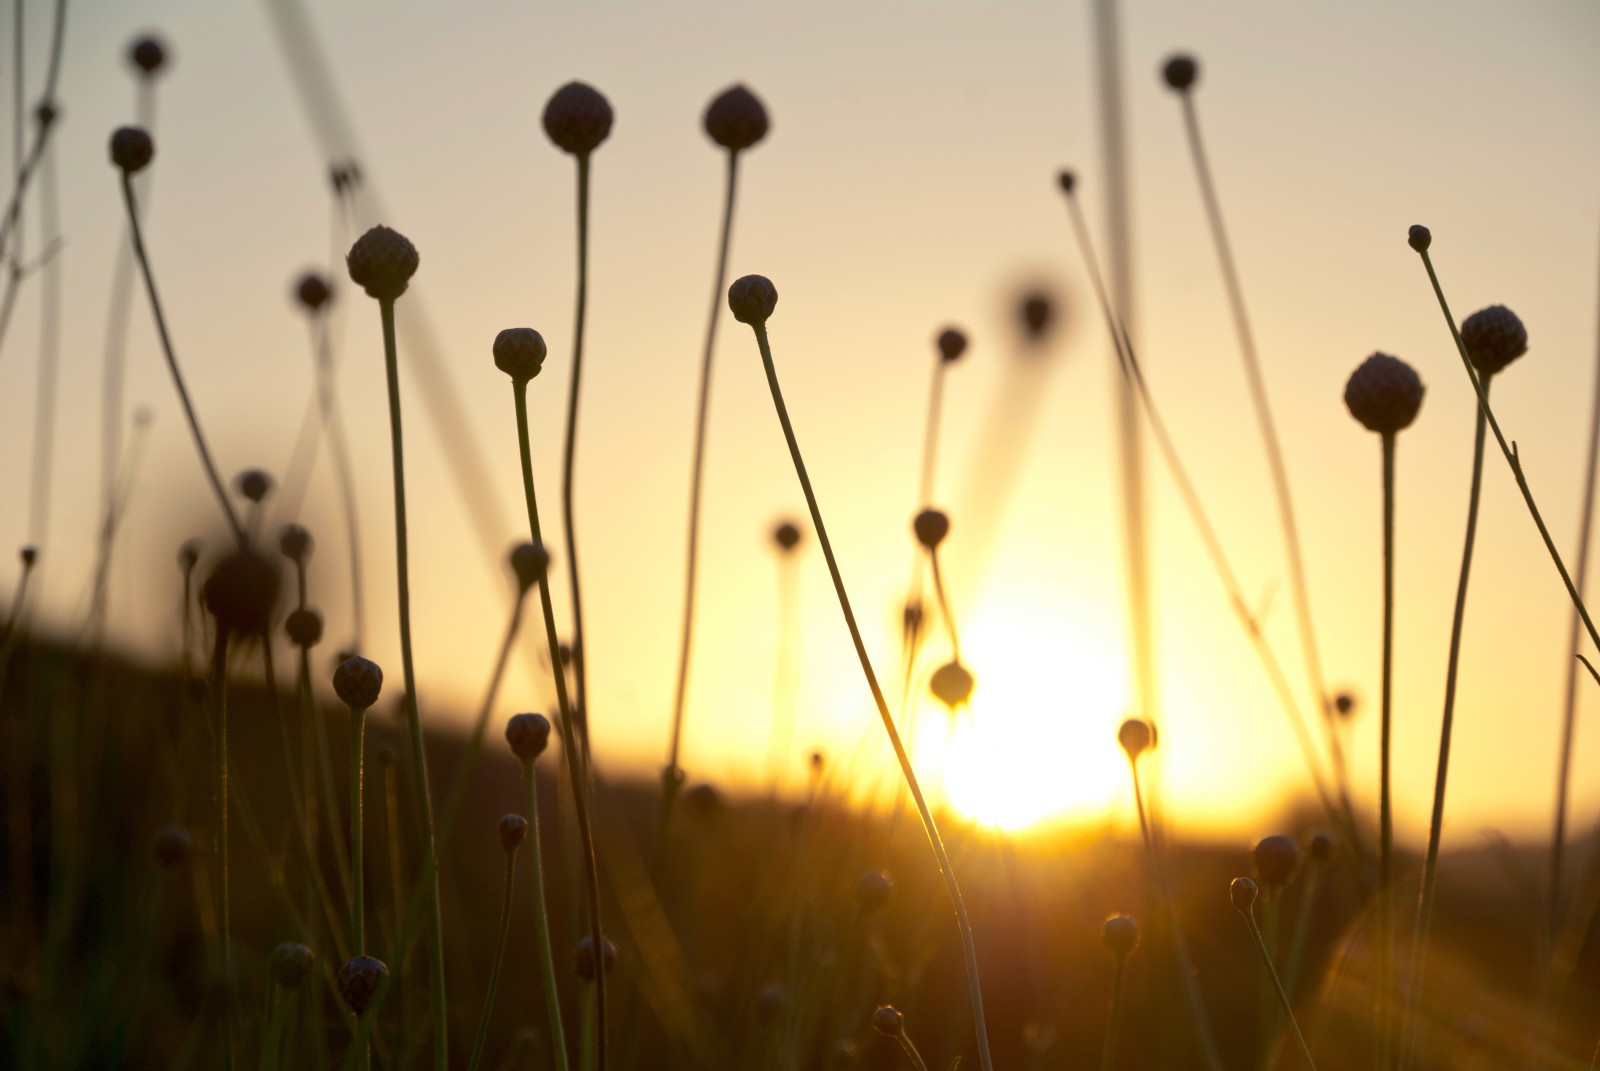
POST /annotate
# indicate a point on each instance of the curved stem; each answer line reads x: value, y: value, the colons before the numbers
x: 419, y: 755
x: 930, y: 435
x: 944, y: 605
x: 913, y: 1057
x: 1288, y: 1008
x: 969, y: 946
x: 577, y: 760
x: 1386, y: 981
x: 580, y: 654
x: 499, y: 959
x: 541, y: 922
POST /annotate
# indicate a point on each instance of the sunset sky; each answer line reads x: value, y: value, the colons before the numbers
x: 907, y: 183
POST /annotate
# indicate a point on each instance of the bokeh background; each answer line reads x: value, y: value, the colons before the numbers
x: 908, y: 183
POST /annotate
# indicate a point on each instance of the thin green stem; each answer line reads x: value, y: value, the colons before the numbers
x: 499, y: 960
x: 1108, y: 1051
x: 1288, y: 1007
x: 330, y: 797
x: 1302, y: 923
x: 419, y: 755
x: 1430, y: 864
x: 930, y: 435
x: 944, y: 604
x: 469, y: 760
x: 272, y: 1043
x: 172, y: 361
x: 913, y: 1057
x: 577, y: 760
x: 333, y: 419
x: 1386, y: 980
x: 358, y: 736
x: 580, y: 653
x: 541, y: 922
x: 969, y: 945
x: 1267, y: 1027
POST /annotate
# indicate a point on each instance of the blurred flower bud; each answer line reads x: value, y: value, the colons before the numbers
x: 291, y: 964
x: 736, y: 119
x: 872, y: 891
x: 1180, y: 72
x: 1493, y: 337
x: 577, y: 118
x: 583, y: 956
x: 382, y: 262
x: 1243, y: 893
x: 1275, y: 860
x: 1384, y: 394
x: 304, y: 627
x: 951, y: 684
x: 1120, y: 933
x: 931, y: 526
x: 357, y: 682
x: 952, y: 343
x: 519, y: 352
x: 132, y: 149
x: 528, y: 735
x: 888, y: 1021
x: 529, y: 562
x: 513, y: 831
x: 172, y: 846
x: 359, y: 980
x: 242, y: 591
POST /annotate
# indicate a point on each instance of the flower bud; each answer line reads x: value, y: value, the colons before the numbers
x: 1067, y: 181
x: 528, y: 735
x: 148, y: 54
x: 513, y: 831
x: 132, y: 149
x: 1419, y: 238
x: 359, y: 980
x: 1180, y: 72
x: 1344, y: 704
x: 253, y: 484
x: 1322, y: 847
x: 872, y: 891
x: 736, y: 119
x: 931, y: 526
x: 1384, y: 394
x: 1493, y: 337
x: 242, y: 591
x: 1275, y: 860
x: 172, y: 846
x: 312, y: 291
x: 1037, y: 312
x: 294, y: 542
x: 1120, y: 933
x: 577, y: 118
x: 583, y: 956
x: 952, y: 343
x: 1243, y: 893
x: 291, y: 964
x: 357, y: 682
x: 529, y: 563
x: 189, y: 554
x: 46, y: 113
x: 1136, y: 737
x: 303, y: 627
x: 29, y: 555
x: 519, y: 352
x: 752, y: 298
x: 382, y: 262
x: 787, y: 536
x: 951, y: 684
x: 888, y: 1021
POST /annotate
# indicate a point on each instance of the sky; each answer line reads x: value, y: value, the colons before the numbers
x: 907, y: 183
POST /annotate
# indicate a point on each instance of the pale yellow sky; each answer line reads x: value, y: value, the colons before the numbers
x: 907, y: 183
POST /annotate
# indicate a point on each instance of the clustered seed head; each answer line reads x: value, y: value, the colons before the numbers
x: 1494, y: 337
x: 1275, y: 860
x: 241, y: 592
x: 752, y: 298
x: 29, y: 555
x: 304, y: 627
x: 357, y: 682
x: 312, y: 291
x: 787, y: 536
x: 951, y: 684
x: 583, y: 956
x: 132, y: 149
x: 952, y: 343
x: 1344, y: 703
x: 528, y: 735
x: 736, y: 119
x: 872, y: 891
x: 294, y: 542
x: 529, y: 563
x: 1180, y: 72
x: 1136, y: 737
x: 1037, y: 310
x: 291, y: 964
x: 1120, y: 933
x: 1384, y: 394
x: 171, y: 846
x: 359, y: 980
x: 513, y: 831
x: 519, y: 352
x: 578, y: 118
x: 1322, y: 847
x: 888, y: 1021
x: 253, y: 484
x: 1243, y: 893
x: 382, y: 262
x: 1067, y: 180
x: 1419, y: 238
x: 931, y: 526
x: 148, y: 54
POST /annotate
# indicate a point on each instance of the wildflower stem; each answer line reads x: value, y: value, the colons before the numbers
x: 358, y: 929
x: 913, y: 1057
x: 541, y: 921
x: 330, y: 797
x: 333, y: 420
x: 944, y: 604
x: 969, y: 946
x: 1302, y: 924
x: 1386, y: 981
x: 580, y: 653
x: 499, y: 960
x: 277, y: 997
x: 1108, y: 1051
x: 577, y: 759
x: 419, y: 755
x: 1288, y: 1007
x: 219, y: 699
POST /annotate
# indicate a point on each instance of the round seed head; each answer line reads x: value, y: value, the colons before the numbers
x: 1243, y: 893
x: 312, y: 291
x: 304, y: 627
x: 911, y: 616
x: 291, y: 964
x: 189, y: 554
x: 1344, y: 704
x: 736, y: 119
x: 46, y: 113
x: 872, y: 891
x: 382, y: 262
x: 294, y: 542
x: 171, y: 846
x: 253, y: 484
x: 951, y: 684
x: 519, y: 352
x: 703, y: 801
x: 29, y: 555
x: 528, y: 735
x: 359, y: 980
x: 752, y: 298
x: 1037, y: 311
x: 1419, y: 238
x: 241, y: 592
x: 787, y: 536
x: 357, y: 682
x: 1136, y: 737
x: 132, y: 149
x: 1067, y: 180
x: 513, y: 831
x: 148, y: 54
x: 1494, y: 337
x: 577, y: 118
x: 529, y: 563
x: 952, y: 344
x: 888, y: 1021
x: 931, y: 526
x: 1322, y: 847
x: 1275, y: 860
x: 583, y: 956
x: 1384, y: 394
x: 1120, y: 933
x: 1180, y: 72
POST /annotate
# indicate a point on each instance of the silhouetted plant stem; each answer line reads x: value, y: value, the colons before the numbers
x: 49, y: 361
x: 1283, y: 996
x: 499, y: 960
x: 968, y: 944
x: 330, y: 798
x: 541, y: 921
x: 580, y: 653
x: 1386, y: 981
x: 1430, y: 863
x: 219, y: 700
x: 672, y: 775
x: 419, y: 756
x: 1302, y: 924
x: 944, y: 604
x: 577, y: 759
x: 913, y: 1057
x: 1108, y: 1051
x: 277, y: 996
x: 172, y: 361
x: 1191, y: 989
x: 358, y: 736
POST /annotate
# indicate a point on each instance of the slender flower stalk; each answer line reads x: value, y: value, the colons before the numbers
x: 357, y: 683
x: 219, y: 709
x: 752, y: 299
x: 1121, y: 935
x: 513, y: 829
x: 1243, y: 893
x: 889, y: 1022
x: 528, y: 735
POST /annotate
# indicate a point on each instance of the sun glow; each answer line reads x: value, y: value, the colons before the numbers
x: 1038, y: 744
